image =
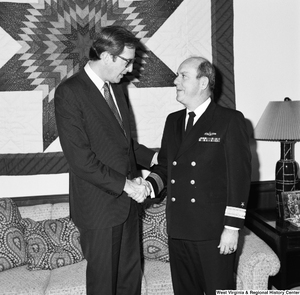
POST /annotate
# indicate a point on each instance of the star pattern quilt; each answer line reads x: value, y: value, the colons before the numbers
x: 43, y: 42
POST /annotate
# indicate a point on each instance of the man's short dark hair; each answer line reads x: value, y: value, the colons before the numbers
x: 206, y: 69
x: 112, y: 39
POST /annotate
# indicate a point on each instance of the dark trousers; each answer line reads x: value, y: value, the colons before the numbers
x: 197, y: 267
x: 113, y: 258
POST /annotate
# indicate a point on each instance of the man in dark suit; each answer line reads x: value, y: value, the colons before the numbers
x: 93, y: 123
x: 205, y: 163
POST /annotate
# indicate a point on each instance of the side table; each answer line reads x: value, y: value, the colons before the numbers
x: 284, y: 239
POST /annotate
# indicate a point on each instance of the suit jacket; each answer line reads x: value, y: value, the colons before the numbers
x: 100, y: 156
x: 207, y: 173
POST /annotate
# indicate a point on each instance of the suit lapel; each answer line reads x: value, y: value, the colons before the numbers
x: 98, y: 101
x: 123, y: 107
x: 95, y: 97
x: 179, y: 127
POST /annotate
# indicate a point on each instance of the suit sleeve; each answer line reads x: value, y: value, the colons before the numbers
x: 158, y: 175
x: 238, y: 160
x: 76, y: 145
x: 143, y: 154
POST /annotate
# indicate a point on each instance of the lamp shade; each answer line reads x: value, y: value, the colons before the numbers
x: 279, y: 122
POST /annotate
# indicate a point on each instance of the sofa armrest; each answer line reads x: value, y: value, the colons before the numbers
x: 256, y: 261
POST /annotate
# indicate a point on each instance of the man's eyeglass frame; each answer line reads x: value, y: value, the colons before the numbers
x: 128, y: 61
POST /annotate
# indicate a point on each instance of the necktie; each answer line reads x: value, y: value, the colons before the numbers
x: 190, y: 122
x: 109, y: 99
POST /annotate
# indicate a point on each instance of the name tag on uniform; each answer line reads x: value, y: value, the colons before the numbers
x: 209, y: 139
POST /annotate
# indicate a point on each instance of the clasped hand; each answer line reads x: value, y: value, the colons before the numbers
x: 138, y: 189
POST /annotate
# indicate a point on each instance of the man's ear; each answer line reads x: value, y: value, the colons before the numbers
x: 106, y: 57
x: 204, y: 82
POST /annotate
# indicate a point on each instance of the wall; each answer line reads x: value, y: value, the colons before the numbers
x: 267, y: 67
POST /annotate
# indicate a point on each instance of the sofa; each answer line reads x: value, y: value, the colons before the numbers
x: 40, y: 251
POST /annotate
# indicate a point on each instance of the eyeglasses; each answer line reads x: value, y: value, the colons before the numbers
x: 128, y: 61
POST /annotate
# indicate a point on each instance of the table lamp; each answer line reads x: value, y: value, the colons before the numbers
x: 281, y: 122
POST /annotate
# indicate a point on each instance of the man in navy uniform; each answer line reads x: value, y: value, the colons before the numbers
x: 205, y: 162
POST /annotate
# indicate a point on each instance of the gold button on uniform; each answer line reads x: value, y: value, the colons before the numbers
x: 193, y: 181
x: 193, y: 163
x: 172, y: 181
x: 173, y: 199
x: 193, y: 200
x: 174, y: 163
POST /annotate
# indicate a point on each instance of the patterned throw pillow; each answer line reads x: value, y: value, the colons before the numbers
x: 154, y: 235
x: 51, y: 243
x: 12, y: 244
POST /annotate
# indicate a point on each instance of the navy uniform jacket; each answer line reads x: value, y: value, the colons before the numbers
x: 100, y: 156
x: 207, y: 173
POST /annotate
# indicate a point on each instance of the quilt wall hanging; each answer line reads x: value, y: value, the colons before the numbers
x: 43, y: 42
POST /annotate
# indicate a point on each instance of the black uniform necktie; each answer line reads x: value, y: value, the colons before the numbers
x: 109, y: 99
x: 190, y: 123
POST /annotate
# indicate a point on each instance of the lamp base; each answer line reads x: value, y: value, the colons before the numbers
x: 286, y: 174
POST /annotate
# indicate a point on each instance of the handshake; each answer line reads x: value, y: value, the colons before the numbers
x: 138, y: 189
